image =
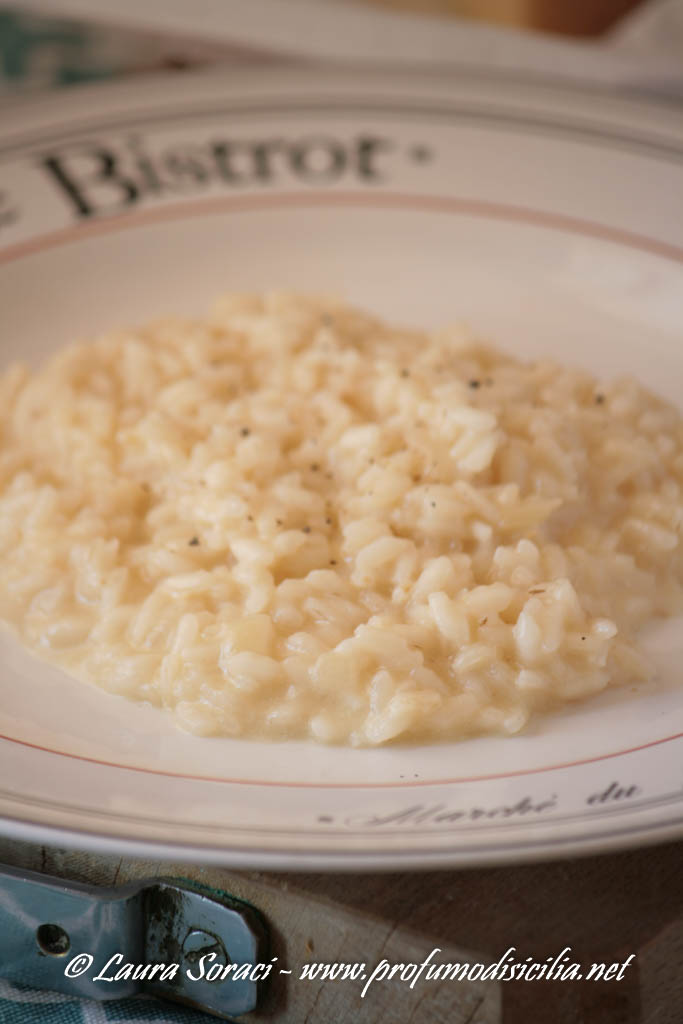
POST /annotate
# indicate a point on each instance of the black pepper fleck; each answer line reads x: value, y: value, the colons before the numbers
x: 245, y: 431
x: 194, y: 542
x: 599, y: 399
x: 405, y: 373
x: 333, y: 561
x: 328, y: 521
x: 305, y: 529
x: 475, y: 383
x: 314, y: 467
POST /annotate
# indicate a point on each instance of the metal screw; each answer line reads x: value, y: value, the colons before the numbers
x: 199, y: 943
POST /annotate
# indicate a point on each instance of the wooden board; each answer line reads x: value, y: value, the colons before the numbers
x: 604, y: 908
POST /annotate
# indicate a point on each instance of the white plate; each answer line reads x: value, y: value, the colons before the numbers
x: 550, y: 220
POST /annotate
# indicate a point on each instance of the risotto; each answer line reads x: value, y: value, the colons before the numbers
x: 289, y: 519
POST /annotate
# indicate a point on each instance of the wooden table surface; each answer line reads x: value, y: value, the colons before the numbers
x: 604, y: 908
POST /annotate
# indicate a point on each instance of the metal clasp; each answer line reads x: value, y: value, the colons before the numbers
x: 60, y: 936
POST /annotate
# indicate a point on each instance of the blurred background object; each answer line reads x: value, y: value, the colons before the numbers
x: 616, y: 44
x: 573, y: 17
x: 39, y: 51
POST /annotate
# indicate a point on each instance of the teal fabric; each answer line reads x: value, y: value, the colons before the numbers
x: 28, y: 1006
x: 47, y: 51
